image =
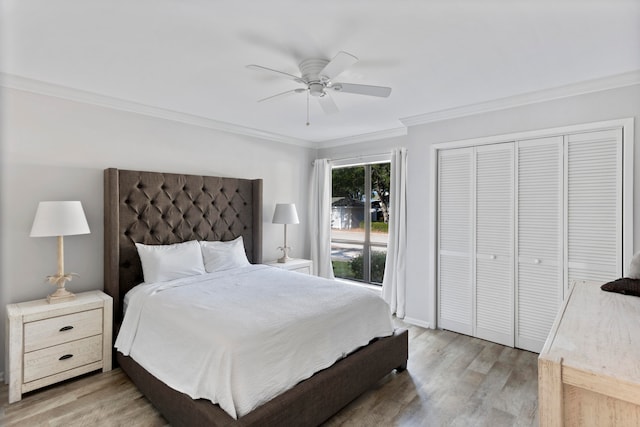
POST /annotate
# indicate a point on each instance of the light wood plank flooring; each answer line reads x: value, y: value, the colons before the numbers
x: 451, y: 380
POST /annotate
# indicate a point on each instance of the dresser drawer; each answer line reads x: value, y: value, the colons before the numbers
x: 52, y: 360
x: 61, y: 329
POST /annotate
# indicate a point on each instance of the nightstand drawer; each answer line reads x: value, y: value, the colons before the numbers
x: 58, y: 330
x: 52, y: 360
x: 304, y: 270
x: 304, y: 266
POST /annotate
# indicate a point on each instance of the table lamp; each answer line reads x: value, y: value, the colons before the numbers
x: 285, y: 213
x: 59, y: 219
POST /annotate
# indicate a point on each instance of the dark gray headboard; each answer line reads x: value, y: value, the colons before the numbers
x: 164, y: 208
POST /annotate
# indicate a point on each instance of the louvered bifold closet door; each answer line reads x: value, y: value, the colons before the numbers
x: 455, y: 209
x: 539, y: 236
x: 494, y: 314
x: 594, y: 205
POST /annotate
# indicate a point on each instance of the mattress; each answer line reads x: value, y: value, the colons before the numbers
x: 241, y: 337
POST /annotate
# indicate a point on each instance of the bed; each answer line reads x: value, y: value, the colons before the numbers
x: 160, y: 209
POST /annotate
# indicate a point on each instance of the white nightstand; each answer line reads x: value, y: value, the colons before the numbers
x: 300, y: 265
x: 48, y: 343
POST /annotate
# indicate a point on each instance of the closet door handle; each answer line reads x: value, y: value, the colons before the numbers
x: 66, y: 328
x: 66, y: 356
x: 536, y: 261
x: 492, y: 257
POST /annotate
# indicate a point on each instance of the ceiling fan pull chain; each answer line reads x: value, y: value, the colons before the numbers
x: 307, y: 108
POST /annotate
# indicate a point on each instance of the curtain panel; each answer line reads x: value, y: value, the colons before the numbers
x: 394, y: 282
x: 320, y: 219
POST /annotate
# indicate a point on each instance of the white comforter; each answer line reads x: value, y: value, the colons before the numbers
x: 241, y: 337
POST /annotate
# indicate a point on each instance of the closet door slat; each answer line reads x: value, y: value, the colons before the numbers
x: 455, y: 209
x: 539, y: 239
x: 594, y: 205
x: 494, y: 243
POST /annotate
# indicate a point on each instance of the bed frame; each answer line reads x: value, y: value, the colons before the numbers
x: 164, y: 208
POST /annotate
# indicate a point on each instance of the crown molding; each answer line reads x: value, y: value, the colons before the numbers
x: 596, y: 85
x: 365, y: 137
x: 64, y: 92
x: 49, y: 89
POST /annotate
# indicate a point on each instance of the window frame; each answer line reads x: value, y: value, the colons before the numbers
x: 366, y: 243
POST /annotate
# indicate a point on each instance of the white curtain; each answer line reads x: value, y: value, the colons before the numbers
x: 394, y: 282
x: 320, y: 218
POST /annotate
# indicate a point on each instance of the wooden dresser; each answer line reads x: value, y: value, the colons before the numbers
x: 589, y: 368
x: 48, y: 343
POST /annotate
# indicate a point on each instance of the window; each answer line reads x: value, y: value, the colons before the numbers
x: 359, y: 221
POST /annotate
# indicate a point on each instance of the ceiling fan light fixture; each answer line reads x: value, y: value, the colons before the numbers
x: 316, y: 89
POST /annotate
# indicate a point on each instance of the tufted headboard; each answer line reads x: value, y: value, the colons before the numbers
x: 164, y: 208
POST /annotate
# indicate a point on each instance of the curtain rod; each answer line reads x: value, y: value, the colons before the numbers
x: 360, y: 158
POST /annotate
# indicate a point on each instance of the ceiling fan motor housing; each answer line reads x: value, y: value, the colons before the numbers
x: 310, y: 68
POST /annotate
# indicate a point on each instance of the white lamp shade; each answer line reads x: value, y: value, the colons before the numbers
x: 285, y: 213
x: 59, y: 219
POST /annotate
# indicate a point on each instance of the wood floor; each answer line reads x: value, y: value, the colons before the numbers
x: 451, y: 380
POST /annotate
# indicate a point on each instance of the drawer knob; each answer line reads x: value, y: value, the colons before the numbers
x: 66, y: 328
x: 66, y: 356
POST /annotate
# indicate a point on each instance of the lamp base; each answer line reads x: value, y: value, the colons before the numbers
x: 59, y: 279
x: 285, y: 253
x: 60, y: 295
x: 284, y: 259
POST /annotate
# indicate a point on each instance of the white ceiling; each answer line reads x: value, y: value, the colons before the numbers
x: 189, y: 56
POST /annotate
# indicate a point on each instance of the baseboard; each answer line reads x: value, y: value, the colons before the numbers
x: 418, y: 322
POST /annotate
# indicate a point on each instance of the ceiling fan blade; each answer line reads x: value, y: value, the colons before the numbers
x: 327, y: 104
x: 299, y: 90
x: 380, y: 91
x: 337, y: 65
x: 275, y: 72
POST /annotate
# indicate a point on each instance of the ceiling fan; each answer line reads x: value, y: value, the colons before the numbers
x: 317, y: 77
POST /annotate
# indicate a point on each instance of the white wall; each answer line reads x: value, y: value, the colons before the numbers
x: 605, y: 105
x: 54, y: 149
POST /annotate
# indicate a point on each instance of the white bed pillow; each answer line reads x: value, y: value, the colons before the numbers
x: 167, y: 262
x: 220, y: 256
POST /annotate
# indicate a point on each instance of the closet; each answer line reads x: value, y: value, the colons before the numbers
x: 517, y: 220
